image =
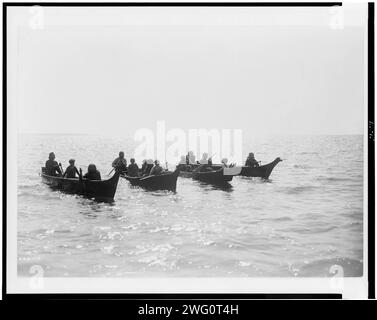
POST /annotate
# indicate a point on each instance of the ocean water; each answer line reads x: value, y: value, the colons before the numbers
x: 305, y: 219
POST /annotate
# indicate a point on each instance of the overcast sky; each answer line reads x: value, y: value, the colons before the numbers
x: 261, y: 78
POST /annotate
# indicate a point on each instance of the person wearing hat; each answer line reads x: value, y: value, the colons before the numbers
x: 51, y: 166
x: 157, y: 169
x: 71, y: 170
x: 251, y: 161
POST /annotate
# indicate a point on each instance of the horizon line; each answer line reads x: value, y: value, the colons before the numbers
x: 117, y: 134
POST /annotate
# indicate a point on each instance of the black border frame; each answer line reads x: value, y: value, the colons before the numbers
x: 209, y: 296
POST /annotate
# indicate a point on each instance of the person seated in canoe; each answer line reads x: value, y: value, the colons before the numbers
x: 191, y: 158
x: 51, y: 166
x: 133, y: 169
x: 183, y: 164
x: 71, y: 170
x: 157, y: 169
x: 251, y: 161
x: 204, y: 159
x: 224, y: 163
x: 183, y: 160
x: 93, y: 173
x: 148, y: 167
x: 120, y: 163
x: 143, y: 165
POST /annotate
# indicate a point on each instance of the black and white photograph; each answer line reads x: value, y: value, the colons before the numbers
x: 187, y: 149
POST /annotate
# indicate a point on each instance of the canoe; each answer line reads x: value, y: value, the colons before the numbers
x: 164, y: 181
x: 261, y: 171
x: 103, y: 190
x: 187, y: 171
x: 215, y: 177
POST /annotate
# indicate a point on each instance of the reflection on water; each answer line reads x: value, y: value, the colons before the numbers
x: 301, y: 222
x: 207, y: 187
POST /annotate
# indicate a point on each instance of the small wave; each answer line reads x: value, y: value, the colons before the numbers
x: 159, y: 229
x: 244, y: 263
x: 311, y: 153
x: 301, y: 166
x: 31, y: 186
x: 157, y: 261
x: 341, y: 266
x: 332, y: 179
x: 313, y: 230
x: 299, y: 189
x: 38, y: 194
x: 142, y: 249
x: 160, y: 193
x: 282, y: 219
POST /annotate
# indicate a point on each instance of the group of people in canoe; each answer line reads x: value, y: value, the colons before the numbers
x: 190, y: 159
x: 148, y: 167
x: 53, y: 168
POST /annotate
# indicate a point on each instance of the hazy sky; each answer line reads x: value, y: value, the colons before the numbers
x: 116, y: 78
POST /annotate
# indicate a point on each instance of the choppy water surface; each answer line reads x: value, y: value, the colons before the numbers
x: 307, y: 218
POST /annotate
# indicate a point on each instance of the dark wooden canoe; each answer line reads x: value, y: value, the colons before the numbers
x: 103, y: 190
x: 216, y: 176
x: 261, y: 171
x: 186, y: 170
x: 164, y: 181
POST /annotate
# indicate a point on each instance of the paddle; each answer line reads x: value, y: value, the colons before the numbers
x: 166, y: 162
x: 61, y: 168
x: 210, y: 158
x: 111, y: 171
x: 82, y: 182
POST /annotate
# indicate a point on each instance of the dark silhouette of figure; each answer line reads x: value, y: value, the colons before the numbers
x: 251, y: 161
x: 71, y: 170
x: 147, y: 167
x: 51, y: 166
x: 133, y: 169
x: 157, y: 169
x: 120, y: 163
x: 93, y: 173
